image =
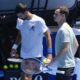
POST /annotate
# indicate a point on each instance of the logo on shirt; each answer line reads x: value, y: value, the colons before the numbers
x: 32, y: 28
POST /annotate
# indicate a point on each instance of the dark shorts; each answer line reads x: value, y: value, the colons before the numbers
x: 64, y: 73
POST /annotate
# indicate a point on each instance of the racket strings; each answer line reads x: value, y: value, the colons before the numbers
x: 31, y: 66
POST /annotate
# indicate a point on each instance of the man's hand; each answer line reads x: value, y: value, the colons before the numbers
x: 13, y: 53
x: 46, y: 61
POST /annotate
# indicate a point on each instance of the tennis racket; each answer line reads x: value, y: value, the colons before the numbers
x: 31, y: 65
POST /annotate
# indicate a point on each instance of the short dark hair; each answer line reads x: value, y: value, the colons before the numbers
x: 21, y: 7
x: 64, y: 10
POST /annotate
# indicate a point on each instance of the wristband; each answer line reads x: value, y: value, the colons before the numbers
x: 15, y: 46
x: 49, y: 50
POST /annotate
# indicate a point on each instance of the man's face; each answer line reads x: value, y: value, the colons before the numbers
x: 21, y: 15
x: 57, y: 16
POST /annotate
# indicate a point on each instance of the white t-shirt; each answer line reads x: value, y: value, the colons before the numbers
x: 65, y: 34
x: 32, y: 36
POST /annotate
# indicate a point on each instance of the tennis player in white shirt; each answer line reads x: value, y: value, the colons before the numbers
x: 31, y: 30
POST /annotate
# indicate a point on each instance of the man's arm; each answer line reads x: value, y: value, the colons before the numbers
x: 63, y: 50
x: 18, y: 38
x: 15, y: 45
x: 49, y: 44
x: 76, y: 45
